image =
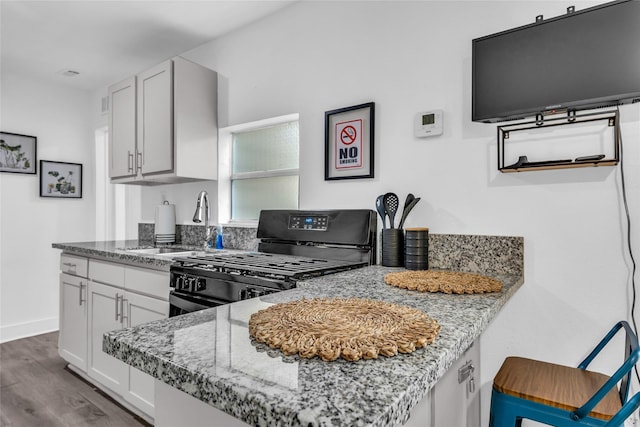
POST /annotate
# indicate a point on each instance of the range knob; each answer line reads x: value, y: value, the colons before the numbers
x: 253, y: 292
x: 201, y: 284
x: 178, y: 282
x: 182, y: 283
x: 190, y: 283
x: 249, y: 293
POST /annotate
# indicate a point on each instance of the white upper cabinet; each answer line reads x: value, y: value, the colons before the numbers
x: 122, y: 129
x: 163, y: 125
x: 155, y: 119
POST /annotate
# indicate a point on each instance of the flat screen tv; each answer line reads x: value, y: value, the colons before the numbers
x: 582, y: 60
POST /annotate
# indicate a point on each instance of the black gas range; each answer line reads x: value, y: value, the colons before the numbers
x: 294, y: 246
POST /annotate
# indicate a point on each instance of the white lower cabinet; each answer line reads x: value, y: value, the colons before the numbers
x: 142, y: 309
x: 72, y: 339
x: 455, y: 399
x: 104, y: 316
x: 176, y: 408
x: 456, y: 396
x: 114, y: 308
x: 109, y: 297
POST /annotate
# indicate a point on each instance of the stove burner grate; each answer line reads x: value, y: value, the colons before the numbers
x: 259, y: 263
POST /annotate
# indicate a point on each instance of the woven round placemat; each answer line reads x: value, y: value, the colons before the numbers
x: 352, y: 329
x: 449, y: 282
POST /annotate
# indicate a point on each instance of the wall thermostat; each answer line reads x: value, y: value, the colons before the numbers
x: 428, y: 123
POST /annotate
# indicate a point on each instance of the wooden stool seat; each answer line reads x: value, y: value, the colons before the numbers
x: 554, y: 385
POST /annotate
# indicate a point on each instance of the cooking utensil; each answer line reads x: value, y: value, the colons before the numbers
x: 410, y: 198
x: 406, y: 211
x: 381, y: 211
x: 391, y: 206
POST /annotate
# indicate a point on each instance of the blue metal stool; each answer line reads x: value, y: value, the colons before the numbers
x: 564, y: 396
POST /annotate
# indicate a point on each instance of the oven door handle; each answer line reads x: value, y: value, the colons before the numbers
x: 191, y: 303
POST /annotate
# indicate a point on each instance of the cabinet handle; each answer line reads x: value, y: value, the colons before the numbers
x: 117, y: 298
x: 80, y: 300
x: 122, y: 307
x: 466, y: 371
x: 129, y: 161
x: 139, y: 161
x: 70, y: 266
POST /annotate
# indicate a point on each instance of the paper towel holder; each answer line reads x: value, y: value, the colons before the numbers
x: 164, y: 230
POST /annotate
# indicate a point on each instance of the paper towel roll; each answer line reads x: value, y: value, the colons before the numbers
x: 165, y: 226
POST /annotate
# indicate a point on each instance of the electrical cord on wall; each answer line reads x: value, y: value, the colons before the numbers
x: 629, y: 247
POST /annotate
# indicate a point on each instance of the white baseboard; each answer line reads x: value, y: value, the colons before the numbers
x: 28, y: 329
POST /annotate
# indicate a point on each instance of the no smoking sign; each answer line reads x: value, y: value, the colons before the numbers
x: 348, y: 139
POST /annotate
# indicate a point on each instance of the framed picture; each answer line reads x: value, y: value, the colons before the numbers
x: 348, y: 142
x: 60, y: 179
x: 18, y: 153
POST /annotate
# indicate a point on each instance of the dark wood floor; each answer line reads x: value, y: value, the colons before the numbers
x: 37, y: 390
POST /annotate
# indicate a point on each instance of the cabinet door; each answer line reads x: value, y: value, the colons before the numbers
x: 155, y: 119
x: 105, y: 314
x: 122, y: 129
x: 142, y: 309
x: 72, y: 339
x: 456, y: 396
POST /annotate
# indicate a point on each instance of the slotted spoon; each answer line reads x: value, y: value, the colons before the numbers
x: 391, y: 206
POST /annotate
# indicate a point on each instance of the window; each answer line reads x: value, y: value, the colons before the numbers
x: 259, y: 168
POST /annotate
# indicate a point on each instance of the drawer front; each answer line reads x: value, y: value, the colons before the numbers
x: 106, y: 272
x: 149, y: 282
x: 75, y: 265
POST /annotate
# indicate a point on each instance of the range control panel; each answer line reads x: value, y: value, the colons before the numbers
x: 341, y: 227
x: 308, y: 222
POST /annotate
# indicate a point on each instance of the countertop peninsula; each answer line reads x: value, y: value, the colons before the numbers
x: 210, y: 356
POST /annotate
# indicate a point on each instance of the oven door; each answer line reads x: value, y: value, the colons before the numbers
x: 182, y: 303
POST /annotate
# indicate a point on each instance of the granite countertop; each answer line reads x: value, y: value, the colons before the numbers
x: 209, y: 354
x: 120, y: 251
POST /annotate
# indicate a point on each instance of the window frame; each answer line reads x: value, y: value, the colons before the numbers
x: 225, y: 165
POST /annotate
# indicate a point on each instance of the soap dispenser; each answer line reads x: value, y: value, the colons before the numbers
x: 219, y: 244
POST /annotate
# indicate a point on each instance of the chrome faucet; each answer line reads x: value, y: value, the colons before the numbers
x: 203, y: 212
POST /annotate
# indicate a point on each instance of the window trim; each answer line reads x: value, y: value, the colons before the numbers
x: 225, y: 143
x: 265, y: 174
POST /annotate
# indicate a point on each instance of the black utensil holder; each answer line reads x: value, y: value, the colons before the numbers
x: 416, y: 248
x: 392, y: 247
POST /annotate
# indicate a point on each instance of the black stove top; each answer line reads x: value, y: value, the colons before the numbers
x: 265, y: 264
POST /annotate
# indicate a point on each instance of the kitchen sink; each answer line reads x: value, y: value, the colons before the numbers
x: 155, y: 251
x: 165, y: 252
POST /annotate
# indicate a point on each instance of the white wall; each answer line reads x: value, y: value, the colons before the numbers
x: 414, y: 56
x: 183, y: 196
x: 29, y: 266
